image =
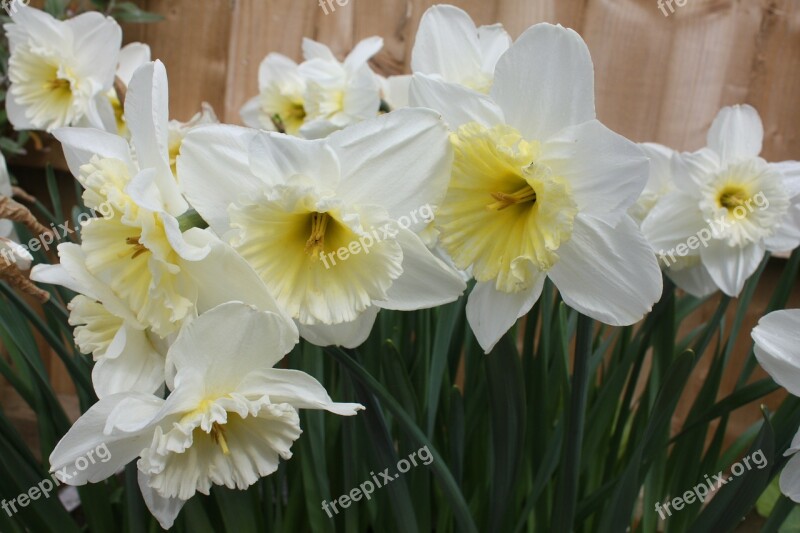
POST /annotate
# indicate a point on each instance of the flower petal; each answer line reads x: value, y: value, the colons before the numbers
x: 606, y: 171
x: 673, y: 220
x: 400, y: 161
x: 226, y: 343
x: 777, y: 338
x: 491, y: 313
x: 458, y: 105
x: 730, y: 266
x: 348, y: 334
x: 92, y: 432
x: 426, y: 281
x: 81, y: 144
x: 96, y: 47
x: 695, y: 280
x: 131, y: 57
x: 447, y: 45
x: 363, y: 52
x: 214, y: 170
x: 165, y: 510
x: 299, y: 390
x: 737, y: 133
x: 140, y: 367
x: 609, y: 274
x: 545, y: 82
x: 790, y: 479
x: 276, y: 159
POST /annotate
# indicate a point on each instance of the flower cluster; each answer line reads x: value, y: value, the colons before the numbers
x: 211, y: 264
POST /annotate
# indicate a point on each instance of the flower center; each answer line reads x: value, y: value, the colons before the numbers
x: 732, y: 197
x: 315, y: 245
x: 528, y: 217
x: 218, y: 434
x: 503, y: 200
x: 138, y: 247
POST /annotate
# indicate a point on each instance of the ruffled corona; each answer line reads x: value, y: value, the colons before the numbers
x: 504, y: 212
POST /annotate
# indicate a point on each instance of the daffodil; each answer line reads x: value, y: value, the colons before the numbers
x: 777, y: 348
x: 660, y: 183
x: 730, y: 207
x: 540, y: 188
x: 280, y: 104
x: 338, y: 93
x: 330, y: 225
x: 228, y: 420
x: 131, y: 57
x: 452, y: 49
x: 61, y: 71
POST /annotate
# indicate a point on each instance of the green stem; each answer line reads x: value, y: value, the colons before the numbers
x: 448, y: 484
x: 567, y: 496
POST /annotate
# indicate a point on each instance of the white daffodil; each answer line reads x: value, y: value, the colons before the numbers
x: 338, y: 93
x: 777, y: 348
x: 61, y: 71
x: 540, y: 188
x: 730, y: 206
x: 280, y: 102
x: 450, y: 48
x: 662, y: 159
x: 329, y: 225
x: 178, y: 130
x: 131, y: 57
x: 129, y: 355
x: 228, y: 420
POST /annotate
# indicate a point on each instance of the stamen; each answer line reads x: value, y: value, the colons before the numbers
x: 138, y: 247
x: 218, y: 434
x: 732, y: 197
x: 316, y: 242
x: 504, y: 200
x: 59, y: 84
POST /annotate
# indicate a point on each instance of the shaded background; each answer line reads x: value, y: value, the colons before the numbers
x: 658, y: 78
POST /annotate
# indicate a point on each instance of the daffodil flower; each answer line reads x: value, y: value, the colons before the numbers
x: 662, y: 162
x: 540, y: 188
x: 61, y: 71
x: 228, y: 420
x: 330, y: 225
x: 131, y: 57
x: 280, y: 104
x: 338, y: 93
x: 777, y: 348
x: 730, y: 206
x: 450, y: 48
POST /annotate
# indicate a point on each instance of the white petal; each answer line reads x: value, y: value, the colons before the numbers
x: 458, y: 105
x: 545, y: 82
x: 41, y: 27
x: 362, y: 98
x: 694, y: 170
x: 492, y: 313
x: 447, y: 45
x: 426, y: 281
x: 140, y: 368
x: 81, y: 144
x: 251, y: 114
x: 348, y: 335
x: 315, y: 50
x: 730, y: 266
x: 276, y: 159
x: 92, y: 432
x: 777, y: 338
x: 606, y: 171
x: 17, y: 113
x: 131, y: 57
x: 791, y: 176
x: 790, y: 479
x: 609, y: 274
x: 673, y: 220
x: 787, y: 234
x: 737, y: 133
x: 363, y: 52
x: 400, y: 161
x: 227, y: 342
x: 695, y: 280
x: 96, y: 47
x: 147, y: 117
x: 214, y: 170
x: 276, y: 67
x: 299, y: 390
x: 165, y: 510
x: 395, y: 90
x: 494, y: 40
